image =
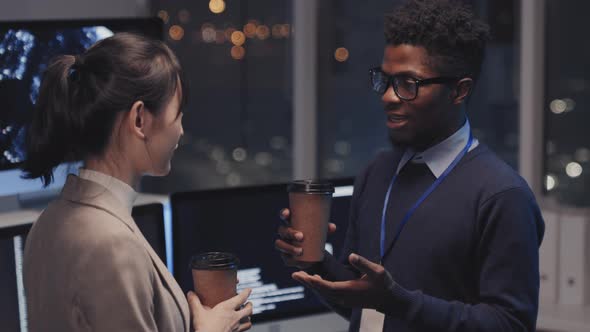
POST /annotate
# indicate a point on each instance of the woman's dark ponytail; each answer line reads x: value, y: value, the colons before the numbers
x: 81, y: 96
x: 48, y: 137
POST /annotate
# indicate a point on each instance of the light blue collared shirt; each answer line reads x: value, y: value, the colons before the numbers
x: 440, y: 156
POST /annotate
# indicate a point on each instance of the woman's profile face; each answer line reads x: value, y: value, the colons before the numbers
x: 167, y: 131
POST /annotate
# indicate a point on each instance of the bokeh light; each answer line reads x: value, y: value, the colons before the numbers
x: 208, y: 33
x: 176, y: 32
x: 550, y: 182
x: 238, y: 38
x: 239, y: 154
x: 238, y: 52
x: 219, y: 37
x: 262, y: 32
x: 341, y: 54
x: 184, y: 16
x: 217, y: 6
x: 558, y: 106
x: 285, y: 30
x: 573, y: 170
x: 164, y: 16
x: 250, y: 30
x: 276, y: 31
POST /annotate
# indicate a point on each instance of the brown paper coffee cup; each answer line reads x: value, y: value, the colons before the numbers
x: 310, y: 202
x: 215, y: 277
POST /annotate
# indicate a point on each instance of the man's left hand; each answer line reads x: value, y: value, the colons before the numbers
x: 369, y: 291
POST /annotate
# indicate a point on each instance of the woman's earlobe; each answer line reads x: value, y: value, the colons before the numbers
x: 140, y: 127
x: 137, y: 119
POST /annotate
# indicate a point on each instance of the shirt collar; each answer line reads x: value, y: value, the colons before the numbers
x: 120, y: 189
x: 440, y: 156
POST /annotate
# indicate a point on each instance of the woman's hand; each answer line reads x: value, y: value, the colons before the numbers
x: 227, y: 316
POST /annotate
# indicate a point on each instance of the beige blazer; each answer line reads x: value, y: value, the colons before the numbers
x: 87, y: 267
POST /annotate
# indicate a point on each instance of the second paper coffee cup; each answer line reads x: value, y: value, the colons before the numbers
x: 310, y: 202
x: 215, y: 276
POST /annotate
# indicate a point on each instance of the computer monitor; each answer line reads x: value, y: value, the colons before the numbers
x: 244, y: 221
x: 13, y: 313
x: 26, y: 49
x: 150, y: 221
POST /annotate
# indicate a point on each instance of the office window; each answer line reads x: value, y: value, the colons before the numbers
x: 567, y: 99
x: 237, y: 57
x: 350, y: 116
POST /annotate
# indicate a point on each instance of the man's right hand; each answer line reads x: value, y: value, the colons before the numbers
x: 290, y: 239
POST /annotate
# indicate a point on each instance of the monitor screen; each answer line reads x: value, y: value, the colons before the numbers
x: 13, y: 314
x: 244, y: 221
x: 150, y: 221
x: 26, y: 48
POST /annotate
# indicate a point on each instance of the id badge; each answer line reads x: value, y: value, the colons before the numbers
x: 371, y: 321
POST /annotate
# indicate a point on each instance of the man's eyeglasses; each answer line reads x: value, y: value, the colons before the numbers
x: 404, y: 86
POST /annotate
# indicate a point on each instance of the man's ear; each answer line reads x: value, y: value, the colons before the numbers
x: 462, y: 90
x: 137, y: 120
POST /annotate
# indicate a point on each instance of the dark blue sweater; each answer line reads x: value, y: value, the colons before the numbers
x: 468, y: 258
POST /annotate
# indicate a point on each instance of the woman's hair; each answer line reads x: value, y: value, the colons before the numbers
x: 81, y: 96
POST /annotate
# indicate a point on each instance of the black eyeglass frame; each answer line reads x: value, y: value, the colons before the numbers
x: 417, y: 82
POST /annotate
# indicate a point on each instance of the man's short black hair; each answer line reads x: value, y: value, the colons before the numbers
x: 454, y: 39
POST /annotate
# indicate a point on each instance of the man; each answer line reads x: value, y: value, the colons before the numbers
x: 443, y: 235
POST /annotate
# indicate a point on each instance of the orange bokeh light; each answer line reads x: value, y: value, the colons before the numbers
x: 238, y: 52
x: 341, y: 54
x: 176, y: 32
x: 238, y: 38
x: 250, y: 30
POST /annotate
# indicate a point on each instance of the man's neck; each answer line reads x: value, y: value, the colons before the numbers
x: 441, y: 136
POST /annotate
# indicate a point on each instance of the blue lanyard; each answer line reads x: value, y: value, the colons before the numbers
x: 436, y: 183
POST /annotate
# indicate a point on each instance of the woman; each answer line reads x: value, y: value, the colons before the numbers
x: 87, y: 266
